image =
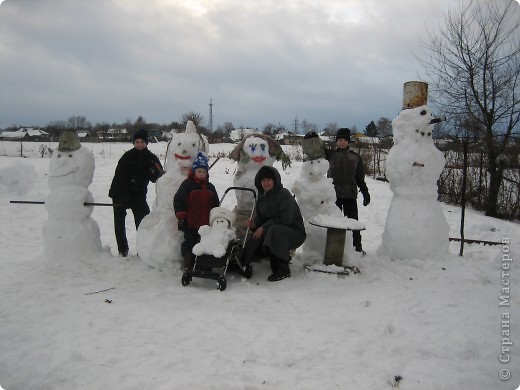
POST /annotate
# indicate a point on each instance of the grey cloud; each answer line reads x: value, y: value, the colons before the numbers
x: 260, y: 61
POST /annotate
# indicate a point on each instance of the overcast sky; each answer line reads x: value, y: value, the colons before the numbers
x: 261, y: 61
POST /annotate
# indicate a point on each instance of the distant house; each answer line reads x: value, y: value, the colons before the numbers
x: 25, y: 134
x: 85, y: 136
x: 291, y: 139
x: 115, y: 135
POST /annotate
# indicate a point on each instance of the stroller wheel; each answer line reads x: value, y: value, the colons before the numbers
x: 222, y: 283
x: 186, y: 278
x: 248, y: 272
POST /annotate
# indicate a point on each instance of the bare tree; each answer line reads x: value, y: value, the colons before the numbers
x: 474, y: 64
x: 269, y: 128
x: 330, y: 128
x: 78, y: 122
x: 309, y: 126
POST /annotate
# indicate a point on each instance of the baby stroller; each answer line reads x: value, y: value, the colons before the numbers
x: 210, y: 267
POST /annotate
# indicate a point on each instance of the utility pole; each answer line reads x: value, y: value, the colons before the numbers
x: 296, y: 125
x: 211, y: 115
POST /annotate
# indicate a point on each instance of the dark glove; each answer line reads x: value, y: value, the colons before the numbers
x: 366, y: 199
x: 156, y: 172
x: 181, y: 220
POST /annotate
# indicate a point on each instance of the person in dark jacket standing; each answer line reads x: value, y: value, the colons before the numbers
x: 192, y: 203
x: 135, y: 169
x: 278, y: 224
x: 347, y: 173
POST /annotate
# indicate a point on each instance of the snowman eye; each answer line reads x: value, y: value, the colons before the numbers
x: 70, y: 155
x: 179, y: 144
x: 193, y: 144
x: 263, y: 148
x: 416, y: 130
x: 429, y: 134
x: 423, y: 112
x: 59, y: 155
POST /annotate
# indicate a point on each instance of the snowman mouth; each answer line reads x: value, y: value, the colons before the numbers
x: 258, y: 159
x: 181, y: 157
x: 75, y: 170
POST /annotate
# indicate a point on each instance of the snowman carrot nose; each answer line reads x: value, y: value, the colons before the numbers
x: 438, y: 120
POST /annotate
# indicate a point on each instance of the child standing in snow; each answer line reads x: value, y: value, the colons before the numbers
x: 135, y: 169
x: 192, y: 204
x: 348, y: 174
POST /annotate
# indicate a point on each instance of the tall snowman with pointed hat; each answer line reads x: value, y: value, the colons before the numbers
x: 158, y: 237
x: 415, y: 226
x: 70, y: 229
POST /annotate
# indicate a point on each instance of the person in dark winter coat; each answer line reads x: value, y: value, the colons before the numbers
x: 347, y: 173
x: 192, y: 203
x: 277, y: 226
x: 135, y: 169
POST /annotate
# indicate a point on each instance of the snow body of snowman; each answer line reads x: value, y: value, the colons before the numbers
x: 415, y: 226
x: 158, y: 238
x: 316, y: 197
x: 70, y: 229
x: 252, y: 153
x: 215, y: 237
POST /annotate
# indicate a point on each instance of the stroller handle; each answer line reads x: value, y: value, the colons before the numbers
x: 238, y: 189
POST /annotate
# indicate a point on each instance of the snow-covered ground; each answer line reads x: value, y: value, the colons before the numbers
x: 414, y: 324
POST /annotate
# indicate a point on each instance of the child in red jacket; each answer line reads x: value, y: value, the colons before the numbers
x: 192, y: 203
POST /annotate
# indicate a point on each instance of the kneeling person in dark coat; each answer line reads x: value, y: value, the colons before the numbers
x: 278, y: 224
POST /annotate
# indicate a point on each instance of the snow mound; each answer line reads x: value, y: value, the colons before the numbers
x: 17, y: 179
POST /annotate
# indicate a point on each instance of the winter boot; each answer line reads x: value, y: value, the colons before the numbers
x: 188, y: 261
x: 280, y: 270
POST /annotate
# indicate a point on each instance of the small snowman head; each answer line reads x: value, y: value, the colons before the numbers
x: 221, y: 218
x: 183, y: 148
x: 314, y: 170
x: 71, y: 164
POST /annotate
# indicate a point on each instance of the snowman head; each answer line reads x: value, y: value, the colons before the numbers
x: 413, y: 124
x: 183, y: 148
x: 314, y: 170
x: 220, y: 217
x: 71, y: 164
x: 255, y: 151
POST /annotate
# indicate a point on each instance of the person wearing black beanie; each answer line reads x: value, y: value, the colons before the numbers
x: 348, y: 174
x: 141, y: 134
x: 135, y: 169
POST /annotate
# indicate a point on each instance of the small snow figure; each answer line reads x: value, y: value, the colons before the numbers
x: 415, y: 227
x: 214, y: 239
x: 70, y: 229
x: 314, y: 190
x: 315, y: 194
x: 252, y: 153
x: 158, y: 237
